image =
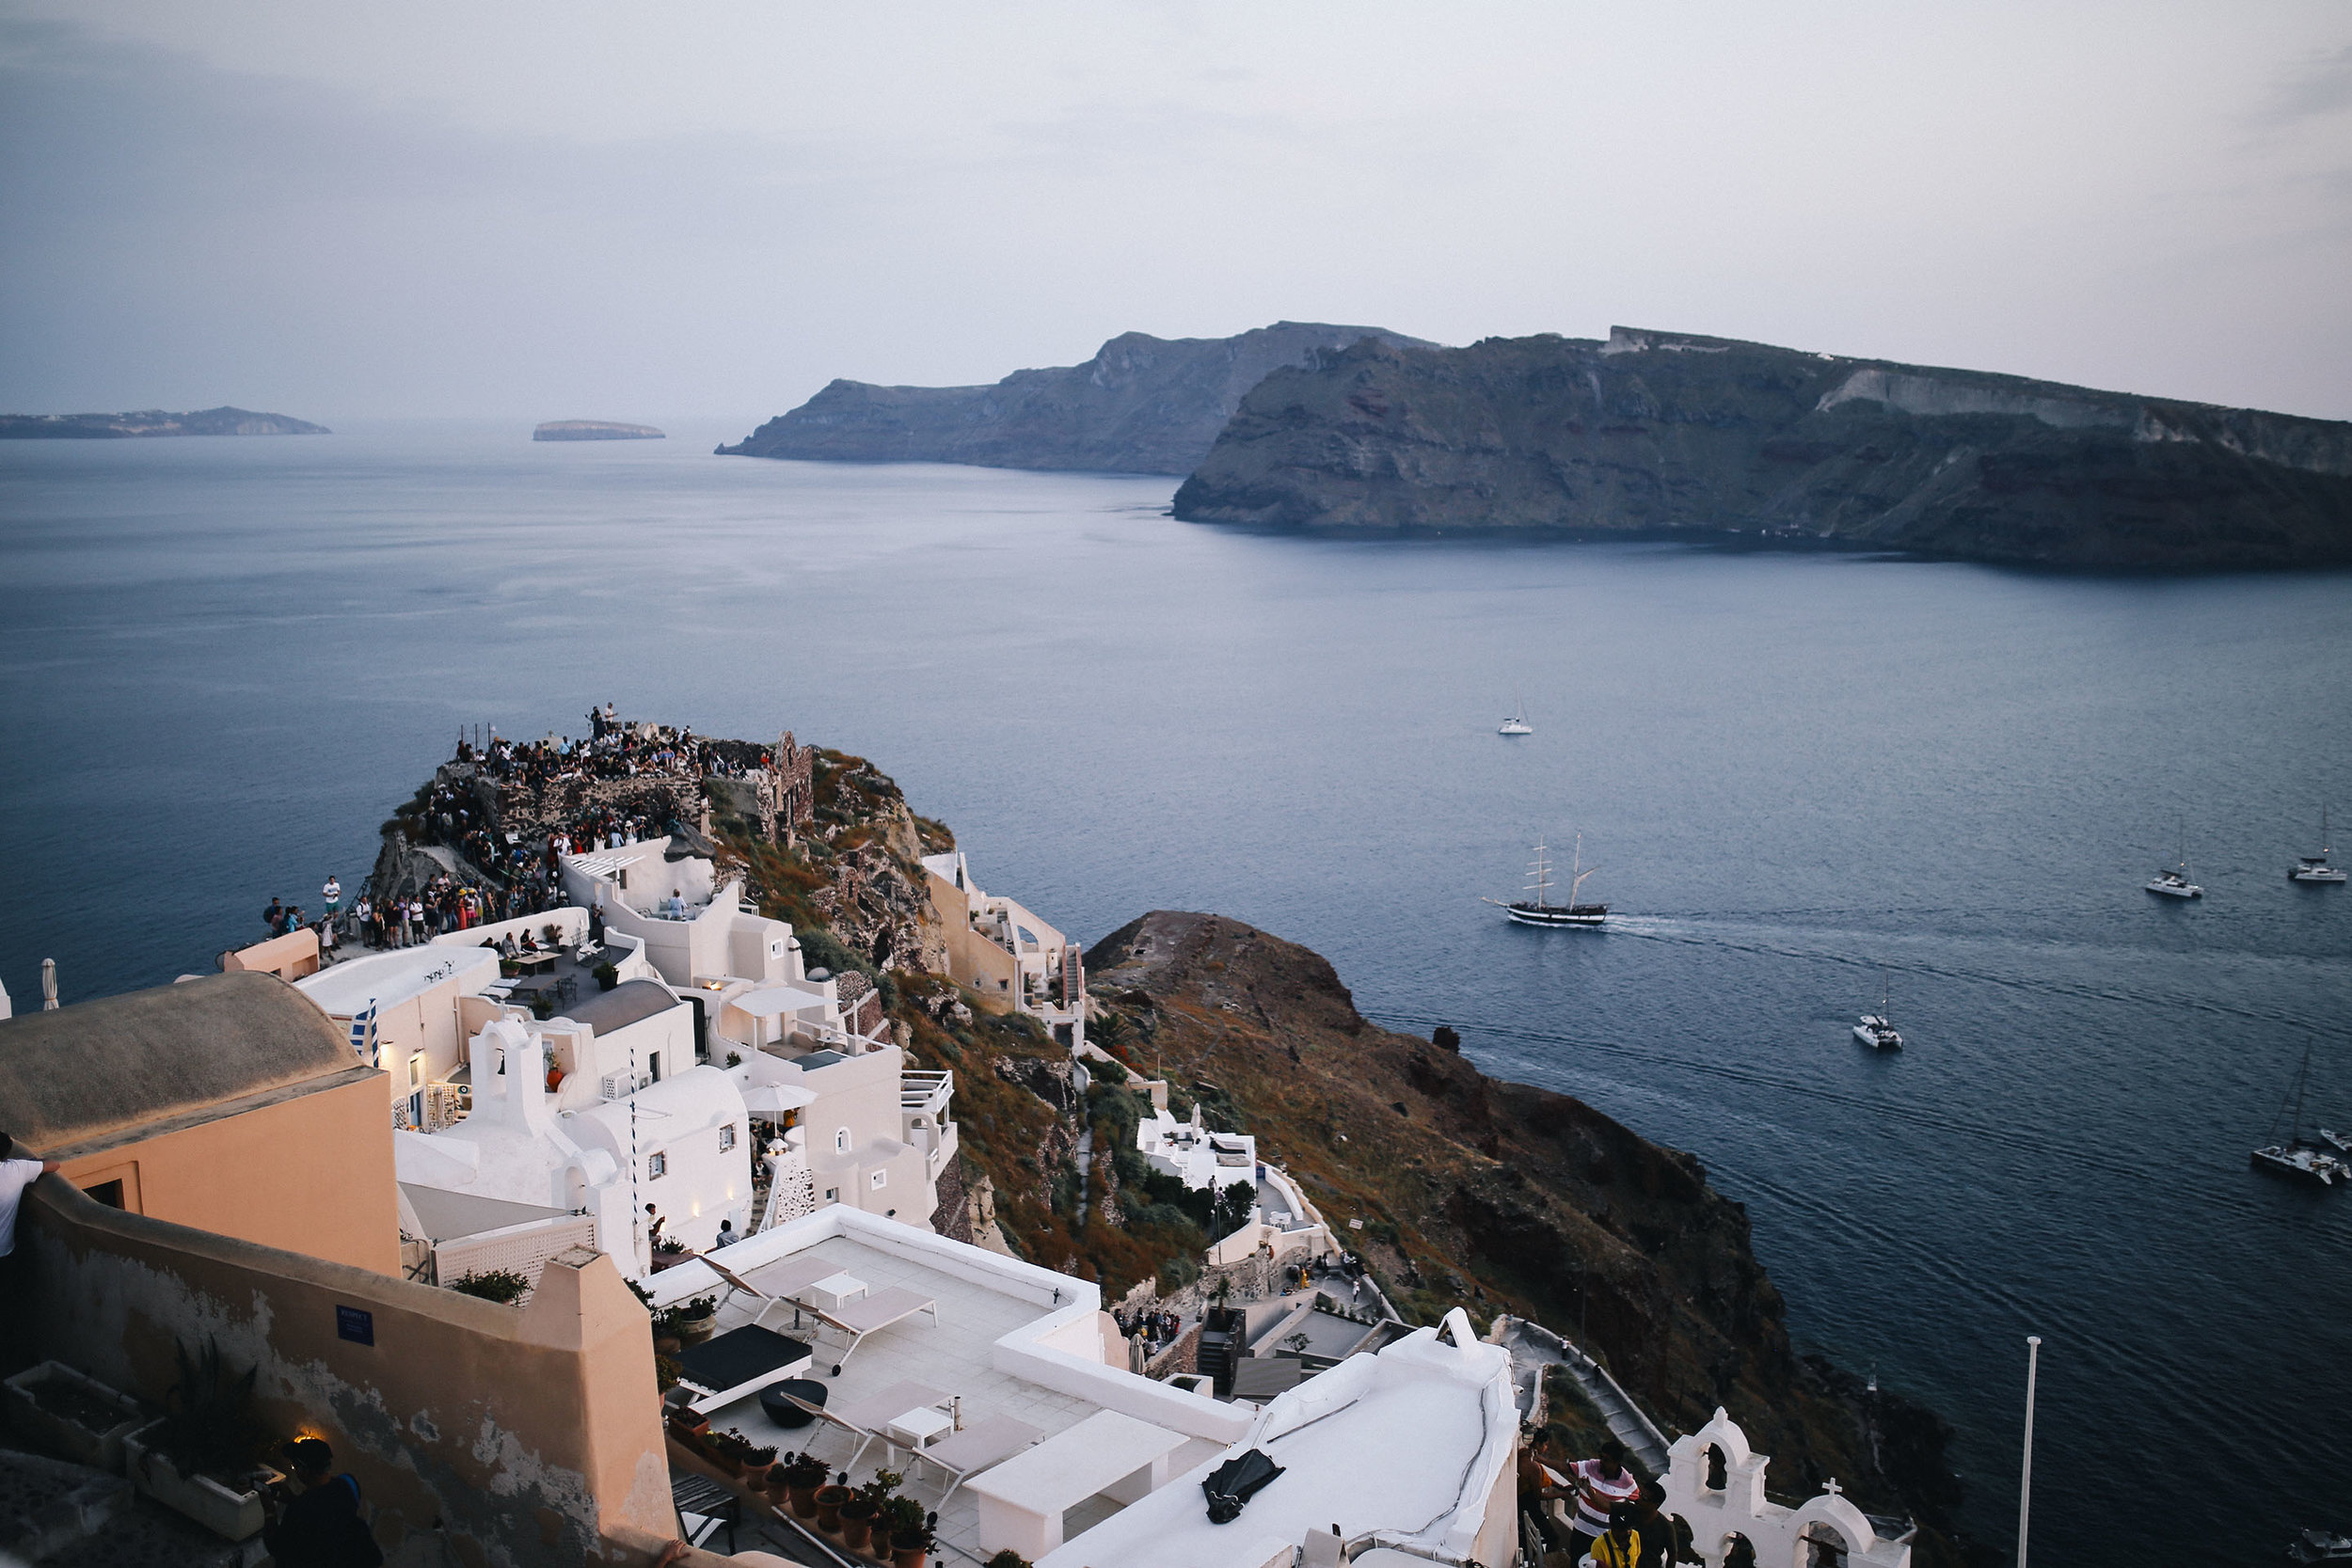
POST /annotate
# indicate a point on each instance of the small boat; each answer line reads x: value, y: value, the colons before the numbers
x: 2336, y: 1141
x: 2294, y: 1157
x: 2316, y: 868
x: 1516, y: 724
x: 1541, y: 911
x: 1877, y: 1030
x: 2173, y: 883
x: 2320, y: 1545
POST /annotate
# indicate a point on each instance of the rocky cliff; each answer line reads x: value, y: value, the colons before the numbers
x: 594, y: 430
x: 1142, y: 405
x: 1500, y: 1197
x: 1657, y: 432
x: 153, y: 421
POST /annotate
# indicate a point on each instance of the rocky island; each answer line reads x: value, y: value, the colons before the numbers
x: 595, y: 430
x: 1663, y: 432
x: 1142, y: 405
x: 152, y: 421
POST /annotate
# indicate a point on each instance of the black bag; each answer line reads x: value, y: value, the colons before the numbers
x: 1231, y: 1484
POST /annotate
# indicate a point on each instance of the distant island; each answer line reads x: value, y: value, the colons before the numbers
x: 595, y: 430
x: 152, y: 421
x: 1142, y: 405
x: 1669, y: 433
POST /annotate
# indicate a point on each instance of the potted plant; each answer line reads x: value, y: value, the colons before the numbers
x: 57, y: 1409
x: 913, y: 1532
x: 801, y: 1479
x: 607, y: 976
x: 199, y: 1459
x: 695, y: 1321
x: 829, y: 1501
x: 509, y: 969
x: 857, y: 1521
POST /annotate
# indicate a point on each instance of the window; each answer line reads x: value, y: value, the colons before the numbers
x: 657, y: 1164
x: 108, y: 1193
x: 415, y: 1070
x: 841, y: 1140
x: 833, y: 1194
x: 881, y: 1179
x: 726, y: 1137
x: 653, y: 1064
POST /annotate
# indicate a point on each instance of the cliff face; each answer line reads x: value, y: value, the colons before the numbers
x: 1142, y: 405
x: 153, y: 421
x: 1657, y: 432
x: 1501, y: 1196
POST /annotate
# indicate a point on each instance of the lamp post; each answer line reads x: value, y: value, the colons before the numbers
x: 2025, y: 1478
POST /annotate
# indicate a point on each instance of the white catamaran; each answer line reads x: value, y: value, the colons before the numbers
x: 1541, y: 911
x: 1877, y: 1030
x: 2316, y: 868
x: 2173, y: 882
x: 1516, y: 724
x: 2298, y: 1159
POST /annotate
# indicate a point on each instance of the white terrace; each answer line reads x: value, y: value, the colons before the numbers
x: 1010, y: 1339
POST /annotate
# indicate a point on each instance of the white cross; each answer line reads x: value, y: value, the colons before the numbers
x: 1832, y: 1488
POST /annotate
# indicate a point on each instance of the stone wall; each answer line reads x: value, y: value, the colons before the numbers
x: 479, y: 1432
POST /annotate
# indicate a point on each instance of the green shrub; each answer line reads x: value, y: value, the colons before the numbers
x: 491, y: 1285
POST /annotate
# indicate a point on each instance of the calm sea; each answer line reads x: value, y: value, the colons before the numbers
x: 222, y: 662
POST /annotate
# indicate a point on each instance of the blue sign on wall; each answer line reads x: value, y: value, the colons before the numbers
x: 356, y: 1324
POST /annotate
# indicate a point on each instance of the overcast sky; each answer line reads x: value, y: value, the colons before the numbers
x: 629, y: 211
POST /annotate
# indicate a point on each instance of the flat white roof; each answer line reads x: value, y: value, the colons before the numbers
x: 345, y: 988
x: 1410, y: 1442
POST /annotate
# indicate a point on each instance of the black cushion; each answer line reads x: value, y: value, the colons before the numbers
x: 782, y: 1411
x: 739, y: 1356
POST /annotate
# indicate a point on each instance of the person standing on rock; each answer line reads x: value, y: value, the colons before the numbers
x: 332, y: 895
x: 275, y: 917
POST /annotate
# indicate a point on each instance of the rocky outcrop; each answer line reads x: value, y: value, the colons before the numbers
x: 594, y: 430
x: 1666, y: 432
x: 152, y: 421
x: 1501, y: 1196
x: 1142, y: 405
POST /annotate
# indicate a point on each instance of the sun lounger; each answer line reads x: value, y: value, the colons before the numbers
x: 739, y: 1362
x: 865, y: 1418
x: 774, y: 1284
x: 976, y: 1448
x: 870, y: 1315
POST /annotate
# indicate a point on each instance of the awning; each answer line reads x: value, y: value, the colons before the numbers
x: 774, y: 1100
x: 775, y: 1001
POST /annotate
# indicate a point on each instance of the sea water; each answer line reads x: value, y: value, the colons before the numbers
x: 1801, y: 777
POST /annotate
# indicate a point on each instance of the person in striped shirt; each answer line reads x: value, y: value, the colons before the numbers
x: 1602, y: 1484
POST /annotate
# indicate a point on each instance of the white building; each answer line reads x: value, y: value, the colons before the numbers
x: 1072, y: 1460
x: 1715, y: 1483
x: 1004, y: 954
x: 1195, y: 1156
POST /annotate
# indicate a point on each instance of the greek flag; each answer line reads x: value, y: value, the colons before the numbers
x: 363, y: 1035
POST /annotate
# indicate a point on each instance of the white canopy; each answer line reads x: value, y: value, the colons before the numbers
x: 774, y: 1100
x: 775, y: 1001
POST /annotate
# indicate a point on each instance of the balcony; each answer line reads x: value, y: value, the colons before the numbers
x: 926, y: 1094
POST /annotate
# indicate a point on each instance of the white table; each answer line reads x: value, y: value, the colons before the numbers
x: 1022, y: 1500
x: 836, y: 1291
x: 915, y: 1430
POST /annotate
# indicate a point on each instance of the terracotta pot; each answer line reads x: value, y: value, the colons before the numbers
x: 802, y: 1495
x: 829, y: 1501
x: 907, y: 1551
x: 857, y: 1524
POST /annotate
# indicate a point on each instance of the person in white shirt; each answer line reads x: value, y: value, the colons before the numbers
x: 333, y: 894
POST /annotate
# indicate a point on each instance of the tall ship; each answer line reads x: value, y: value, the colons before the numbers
x: 2297, y: 1158
x: 2318, y: 868
x: 1540, y: 909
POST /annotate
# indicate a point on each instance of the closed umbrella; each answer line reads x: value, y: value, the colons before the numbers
x: 48, y: 984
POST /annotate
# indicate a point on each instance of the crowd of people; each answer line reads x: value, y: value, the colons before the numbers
x: 1614, y: 1521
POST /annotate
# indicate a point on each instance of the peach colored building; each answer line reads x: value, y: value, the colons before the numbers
x: 227, y: 1103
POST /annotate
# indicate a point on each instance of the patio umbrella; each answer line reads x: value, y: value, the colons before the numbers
x: 48, y: 984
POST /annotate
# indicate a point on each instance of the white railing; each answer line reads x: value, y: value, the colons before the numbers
x: 926, y: 1093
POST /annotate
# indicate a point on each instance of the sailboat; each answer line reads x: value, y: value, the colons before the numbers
x: 1540, y: 909
x: 1516, y: 724
x: 2296, y: 1159
x: 2173, y: 882
x: 2315, y: 868
x: 1877, y: 1030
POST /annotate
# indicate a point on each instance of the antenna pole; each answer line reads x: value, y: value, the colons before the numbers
x: 2025, y: 1480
